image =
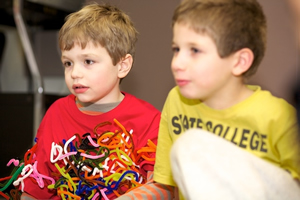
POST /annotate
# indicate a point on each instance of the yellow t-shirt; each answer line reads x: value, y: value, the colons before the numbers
x: 262, y: 124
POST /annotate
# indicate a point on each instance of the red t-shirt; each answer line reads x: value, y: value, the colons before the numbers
x: 63, y: 119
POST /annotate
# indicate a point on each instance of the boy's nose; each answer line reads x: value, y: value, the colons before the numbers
x: 178, y: 62
x: 76, y: 72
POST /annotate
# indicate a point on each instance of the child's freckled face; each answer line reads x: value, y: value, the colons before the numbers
x: 197, y: 68
x: 90, y: 74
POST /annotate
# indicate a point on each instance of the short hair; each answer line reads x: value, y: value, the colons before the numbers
x: 101, y: 24
x: 232, y: 24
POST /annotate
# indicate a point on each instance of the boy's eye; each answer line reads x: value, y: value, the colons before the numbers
x: 67, y: 64
x: 175, y: 49
x: 88, y: 62
x: 195, y: 50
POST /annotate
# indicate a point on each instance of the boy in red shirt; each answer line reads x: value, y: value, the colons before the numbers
x: 98, y: 46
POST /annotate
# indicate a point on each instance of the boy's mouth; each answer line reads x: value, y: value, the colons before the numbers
x: 182, y: 82
x: 79, y: 88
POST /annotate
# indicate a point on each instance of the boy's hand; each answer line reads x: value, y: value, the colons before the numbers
x: 26, y: 196
x: 150, y: 190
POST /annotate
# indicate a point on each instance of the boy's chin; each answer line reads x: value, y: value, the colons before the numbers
x: 82, y: 100
x: 188, y: 94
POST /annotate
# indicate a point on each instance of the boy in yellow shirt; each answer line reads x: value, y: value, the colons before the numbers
x: 227, y: 139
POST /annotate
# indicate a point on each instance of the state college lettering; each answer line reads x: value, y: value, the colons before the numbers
x: 243, y: 138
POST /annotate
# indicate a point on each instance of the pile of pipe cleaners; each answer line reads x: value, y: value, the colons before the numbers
x: 94, y: 167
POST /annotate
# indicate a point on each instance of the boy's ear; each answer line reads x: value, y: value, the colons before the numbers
x: 124, y: 66
x: 244, y: 59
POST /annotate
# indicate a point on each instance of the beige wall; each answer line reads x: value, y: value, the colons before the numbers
x: 280, y: 67
x: 151, y: 77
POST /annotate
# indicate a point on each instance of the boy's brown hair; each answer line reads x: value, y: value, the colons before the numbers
x: 101, y: 24
x: 232, y: 24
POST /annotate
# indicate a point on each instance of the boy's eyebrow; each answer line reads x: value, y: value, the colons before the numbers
x: 188, y: 44
x: 195, y: 44
x: 88, y: 55
x: 62, y: 56
x: 81, y: 55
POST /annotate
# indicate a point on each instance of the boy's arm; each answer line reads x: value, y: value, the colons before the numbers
x: 26, y: 196
x: 150, y: 190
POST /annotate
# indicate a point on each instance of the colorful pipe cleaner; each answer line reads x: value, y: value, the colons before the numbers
x: 89, y: 167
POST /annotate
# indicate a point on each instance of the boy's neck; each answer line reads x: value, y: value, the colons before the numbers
x: 230, y: 99
x: 95, y: 109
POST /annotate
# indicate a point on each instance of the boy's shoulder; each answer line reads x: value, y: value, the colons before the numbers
x: 136, y: 102
x: 61, y: 103
x: 268, y: 101
x: 260, y: 99
x: 175, y: 92
x: 63, y: 100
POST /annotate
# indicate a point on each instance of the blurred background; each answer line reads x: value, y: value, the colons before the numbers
x: 32, y: 77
